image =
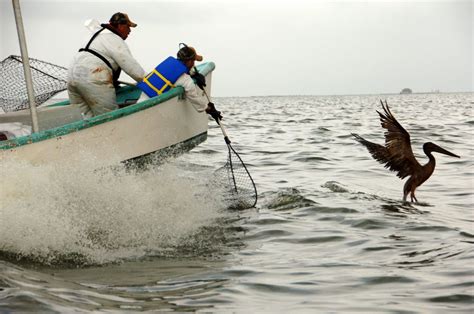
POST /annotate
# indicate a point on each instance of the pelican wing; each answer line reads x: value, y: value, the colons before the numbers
x: 398, y: 155
x: 379, y: 152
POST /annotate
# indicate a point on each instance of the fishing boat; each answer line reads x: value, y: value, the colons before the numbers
x: 162, y: 124
x: 159, y: 125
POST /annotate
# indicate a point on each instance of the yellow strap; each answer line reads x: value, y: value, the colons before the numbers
x: 158, y: 91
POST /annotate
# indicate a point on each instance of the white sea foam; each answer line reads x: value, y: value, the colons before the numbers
x: 51, y: 212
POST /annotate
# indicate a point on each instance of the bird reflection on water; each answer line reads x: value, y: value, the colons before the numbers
x: 398, y: 156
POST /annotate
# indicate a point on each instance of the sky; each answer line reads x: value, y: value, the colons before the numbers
x: 264, y: 47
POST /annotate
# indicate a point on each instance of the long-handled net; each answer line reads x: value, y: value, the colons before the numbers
x: 48, y: 80
x: 241, y: 192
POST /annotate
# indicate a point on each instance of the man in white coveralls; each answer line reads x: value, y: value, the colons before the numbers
x: 94, y: 71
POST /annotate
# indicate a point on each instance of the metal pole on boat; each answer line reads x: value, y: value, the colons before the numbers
x: 26, y: 63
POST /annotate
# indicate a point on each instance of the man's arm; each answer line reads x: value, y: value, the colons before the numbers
x: 121, y: 54
x: 192, y: 92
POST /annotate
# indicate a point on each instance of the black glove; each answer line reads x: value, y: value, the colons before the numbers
x: 211, y: 110
x: 199, y: 79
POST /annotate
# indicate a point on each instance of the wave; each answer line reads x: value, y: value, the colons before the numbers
x: 69, y: 213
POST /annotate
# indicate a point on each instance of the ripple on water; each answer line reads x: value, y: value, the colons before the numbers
x: 241, y: 273
x: 429, y: 228
x: 270, y: 221
x: 367, y: 223
x: 428, y: 257
x: 380, y: 280
x: 312, y: 240
x: 309, y: 159
x: 279, y: 289
x: 289, y: 199
x: 466, y: 234
x: 403, y: 208
x: 335, y: 187
x: 453, y: 298
x: 378, y: 248
x: 268, y: 234
x: 329, y: 210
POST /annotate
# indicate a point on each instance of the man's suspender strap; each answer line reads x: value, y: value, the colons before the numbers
x: 115, y: 74
x: 98, y: 55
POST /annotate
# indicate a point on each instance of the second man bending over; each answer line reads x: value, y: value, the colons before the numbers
x: 180, y: 71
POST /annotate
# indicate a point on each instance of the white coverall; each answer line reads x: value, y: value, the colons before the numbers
x: 90, y: 83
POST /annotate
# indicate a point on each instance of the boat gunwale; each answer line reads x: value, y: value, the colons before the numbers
x: 100, y: 119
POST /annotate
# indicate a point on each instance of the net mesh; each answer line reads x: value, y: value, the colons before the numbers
x: 241, y: 192
x: 48, y: 80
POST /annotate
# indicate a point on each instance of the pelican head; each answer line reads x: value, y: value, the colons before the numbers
x: 432, y: 147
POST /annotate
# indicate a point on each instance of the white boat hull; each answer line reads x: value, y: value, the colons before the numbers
x: 141, y: 133
x: 168, y: 124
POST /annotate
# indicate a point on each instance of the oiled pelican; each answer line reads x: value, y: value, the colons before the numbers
x: 397, y: 154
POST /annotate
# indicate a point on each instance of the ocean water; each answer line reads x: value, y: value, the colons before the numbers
x: 330, y: 233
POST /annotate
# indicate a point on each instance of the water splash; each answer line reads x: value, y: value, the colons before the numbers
x: 71, y: 213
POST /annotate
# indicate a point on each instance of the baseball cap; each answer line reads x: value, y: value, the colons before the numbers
x: 188, y: 53
x: 121, y: 18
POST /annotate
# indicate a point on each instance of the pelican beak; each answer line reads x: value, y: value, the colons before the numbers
x: 438, y: 149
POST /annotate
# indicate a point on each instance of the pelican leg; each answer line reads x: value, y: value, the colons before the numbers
x: 413, y: 197
x: 407, y: 190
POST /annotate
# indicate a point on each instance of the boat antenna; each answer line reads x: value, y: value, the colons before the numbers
x: 26, y: 63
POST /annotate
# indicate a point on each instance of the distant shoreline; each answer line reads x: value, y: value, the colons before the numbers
x: 336, y: 95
